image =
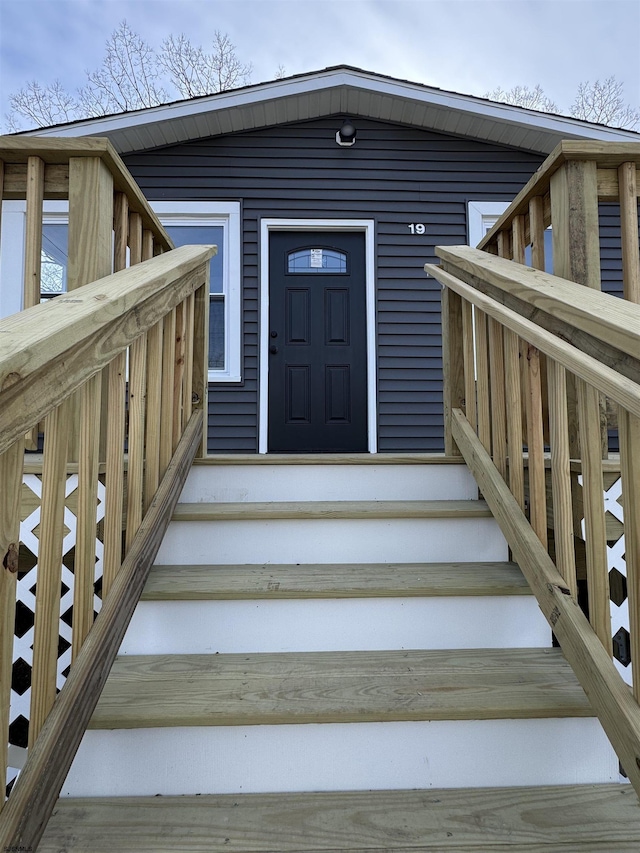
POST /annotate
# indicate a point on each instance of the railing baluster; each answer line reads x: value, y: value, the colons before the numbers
x: 135, y: 472
x: 166, y: 414
x: 200, y: 357
x: 11, y: 465
x: 518, y: 239
x: 33, y: 251
x: 188, y: 363
x: 513, y: 404
x: 114, y: 478
x: 178, y: 372
x: 561, y: 475
x: 629, y: 427
x: 453, y: 376
x: 594, y: 520
x: 468, y: 358
x: 121, y: 229
x: 85, y: 552
x: 498, y: 404
x: 147, y: 244
x: 482, y: 368
x: 46, y: 626
x: 33, y: 231
x: 628, y: 189
x: 137, y: 402
x: 536, y: 228
x: 535, y: 444
x: 154, y: 412
x: 135, y: 238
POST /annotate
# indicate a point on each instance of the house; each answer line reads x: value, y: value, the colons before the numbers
x: 263, y: 172
x: 322, y: 633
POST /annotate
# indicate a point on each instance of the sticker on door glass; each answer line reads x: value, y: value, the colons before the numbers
x: 330, y: 261
x: 316, y: 259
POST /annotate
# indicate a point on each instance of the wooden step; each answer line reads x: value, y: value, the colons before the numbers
x: 328, y: 459
x: 245, y: 511
x: 338, y: 687
x: 348, y: 580
x: 563, y: 819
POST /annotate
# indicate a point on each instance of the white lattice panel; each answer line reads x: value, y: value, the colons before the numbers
x: 25, y: 594
x: 616, y: 562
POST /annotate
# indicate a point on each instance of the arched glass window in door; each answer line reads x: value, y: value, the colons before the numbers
x: 317, y: 261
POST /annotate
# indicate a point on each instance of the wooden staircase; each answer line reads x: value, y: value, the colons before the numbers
x: 334, y: 654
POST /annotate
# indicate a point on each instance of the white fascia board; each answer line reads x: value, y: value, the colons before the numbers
x: 563, y: 126
x: 184, y: 109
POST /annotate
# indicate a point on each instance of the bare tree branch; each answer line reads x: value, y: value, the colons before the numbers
x: 127, y: 78
x: 42, y: 105
x: 194, y: 72
x: 602, y: 103
x: 523, y: 96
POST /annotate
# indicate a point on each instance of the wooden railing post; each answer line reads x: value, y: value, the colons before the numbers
x: 628, y: 190
x: 90, y: 221
x: 453, y: 364
x: 90, y: 225
x: 576, y: 247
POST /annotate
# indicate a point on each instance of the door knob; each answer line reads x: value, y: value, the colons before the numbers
x: 273, y: 349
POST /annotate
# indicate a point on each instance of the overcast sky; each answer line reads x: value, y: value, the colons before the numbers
x: 469, y: 46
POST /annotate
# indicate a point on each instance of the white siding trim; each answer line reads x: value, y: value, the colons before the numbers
x: 480, y: 215
x: 368, y: 227
x: 227, y: 213
x: 12, y: 240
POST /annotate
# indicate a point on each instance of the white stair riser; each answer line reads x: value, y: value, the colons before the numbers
x: 328, y: 483
x: 332, y: 541
x: 203, y: 627
x: 341, y: 757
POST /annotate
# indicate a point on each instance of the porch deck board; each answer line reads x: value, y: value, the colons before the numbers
x: 348, y: 580
x: 566, y: 819
x: 245, y: 510
x: 338, y: 687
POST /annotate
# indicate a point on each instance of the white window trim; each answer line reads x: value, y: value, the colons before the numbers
x: 363, y: 225
x: 217, y: 213
x: 12, y: 240
x: 482, y: 215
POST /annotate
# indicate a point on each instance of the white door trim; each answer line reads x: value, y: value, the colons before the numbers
x: 367, y: 226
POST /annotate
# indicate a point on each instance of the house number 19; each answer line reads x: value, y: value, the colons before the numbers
x: 417, y: 228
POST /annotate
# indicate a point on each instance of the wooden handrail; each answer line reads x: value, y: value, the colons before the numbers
x: 610, y: 697
x: 55, y: 154
x: 611, y: 321
x: 606, y: 157
x: 24, y: 818
x: 103, y: 337
x: 534, y: 315
x: 47, y: 352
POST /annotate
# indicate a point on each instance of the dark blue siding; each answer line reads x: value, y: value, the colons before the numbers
x: 394, y: 175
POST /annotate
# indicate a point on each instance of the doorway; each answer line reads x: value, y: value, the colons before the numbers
x: 317, y: 342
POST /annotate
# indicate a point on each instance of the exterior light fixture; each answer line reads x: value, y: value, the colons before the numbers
x: 346, y: 136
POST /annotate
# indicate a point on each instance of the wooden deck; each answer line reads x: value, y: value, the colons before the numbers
x: 338, y: 687
x: 346, y: 580
x: 567, y: 819
x: 245, y: 511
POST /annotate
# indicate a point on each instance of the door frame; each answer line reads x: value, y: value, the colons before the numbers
x: 366, y: 226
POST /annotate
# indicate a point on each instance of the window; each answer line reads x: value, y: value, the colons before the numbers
x: 53, y: 257
x: 186, y: 222
x: 189, y: 223
x: 483, y: 215
x: 317, y: 261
